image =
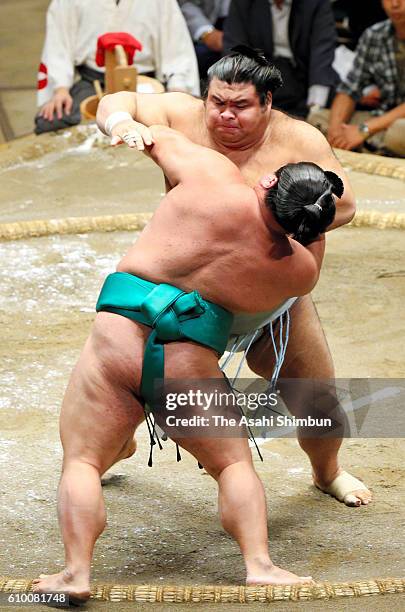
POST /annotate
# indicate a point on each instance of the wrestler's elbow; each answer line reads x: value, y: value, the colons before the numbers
x: 311, y: 283
x: 348, y: 208
x: 307, y: 275
x: 345, y: 211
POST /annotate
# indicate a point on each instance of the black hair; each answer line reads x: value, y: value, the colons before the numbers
x: 246, y: 65
x: 302, y: 200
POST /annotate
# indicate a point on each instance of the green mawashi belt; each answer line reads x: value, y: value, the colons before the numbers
x: 172, y: 314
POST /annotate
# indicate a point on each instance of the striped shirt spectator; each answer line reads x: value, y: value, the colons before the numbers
x: 376, y: 64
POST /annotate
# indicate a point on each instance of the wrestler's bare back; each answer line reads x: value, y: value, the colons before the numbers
x: 209, y: 234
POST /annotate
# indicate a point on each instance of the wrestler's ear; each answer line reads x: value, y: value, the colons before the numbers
x: 268, y: 181
x: 337, y: 183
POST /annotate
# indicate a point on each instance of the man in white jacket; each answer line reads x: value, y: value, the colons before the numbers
x: 72, y: 29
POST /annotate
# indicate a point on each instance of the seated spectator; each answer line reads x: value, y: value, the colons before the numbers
x: 351, y: 21
x: 379, y: 61
x: 298, y: 37
x: 205, y: 20
x: 72, y: 30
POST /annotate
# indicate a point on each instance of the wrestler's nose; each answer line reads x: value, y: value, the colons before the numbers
x: 227, y: 114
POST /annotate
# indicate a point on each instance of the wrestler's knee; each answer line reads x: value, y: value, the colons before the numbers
x: 216, y: 458
x: 214, y: 468
x: 101, y: 451
x: 315, y: 401
x: 305, y: 395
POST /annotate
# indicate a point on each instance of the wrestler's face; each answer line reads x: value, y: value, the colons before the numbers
x: 234, y: 113
x: 395, y: 10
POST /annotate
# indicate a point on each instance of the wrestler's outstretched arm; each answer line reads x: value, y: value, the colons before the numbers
x: 143, y: 111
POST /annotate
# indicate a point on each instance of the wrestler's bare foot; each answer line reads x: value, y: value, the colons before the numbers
x: 76, y: 585
x: 271, y: 574
x: 342, y: 486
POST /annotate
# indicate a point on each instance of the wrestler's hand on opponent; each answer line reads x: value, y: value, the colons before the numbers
x: 132, y: 133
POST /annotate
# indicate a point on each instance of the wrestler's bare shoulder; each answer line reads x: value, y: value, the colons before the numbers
x: 182, y: 109
x: 308, y: 142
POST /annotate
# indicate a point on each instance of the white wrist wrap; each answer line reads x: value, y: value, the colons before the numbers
x: 115, y: 118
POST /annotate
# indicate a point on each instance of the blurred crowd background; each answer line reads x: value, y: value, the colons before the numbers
x: 342, y: 61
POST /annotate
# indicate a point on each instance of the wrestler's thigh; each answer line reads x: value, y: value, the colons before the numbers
x: 307, y: 354
x: 100, y: 410
x: 190, y: 361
